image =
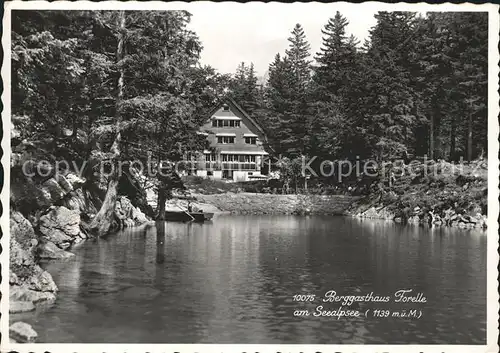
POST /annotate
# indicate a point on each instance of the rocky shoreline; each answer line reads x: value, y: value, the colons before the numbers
x: 55, y: 225
x: 426, y: 218
x: 351, y: 206
x: 437, y: 194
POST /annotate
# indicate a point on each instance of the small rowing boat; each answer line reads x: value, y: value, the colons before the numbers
x: 184, y: 216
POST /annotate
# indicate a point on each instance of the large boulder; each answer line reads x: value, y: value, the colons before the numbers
x: 49, y: 251
x: 53, y: 190
x: 22, y: 332
x: 58, y: 187
x: 20, y: 307
x: 28, y: 281
x: 61, y: 226
x: 378, y: 213
x: 75, y: 201
x: 22, y: 232
x: 75, y: 181
x: 138, y: 216
x: 31, y: 283
x: 23, y: 243
x: 25, y: 294
x: 129, y: 215
x: 22, y: 260
x: 41, y: 281
x: 64, y: 183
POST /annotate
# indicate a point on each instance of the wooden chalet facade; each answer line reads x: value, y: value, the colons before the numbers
x: 236, y: 145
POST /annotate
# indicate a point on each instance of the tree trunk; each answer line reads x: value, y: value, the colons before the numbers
x: 453, y: 138
x: 162, y: 198
x: 469, y: 137
x: 437, y: 136
x: 130, y: 186
x: 102, y: 223
x: 431, y: 137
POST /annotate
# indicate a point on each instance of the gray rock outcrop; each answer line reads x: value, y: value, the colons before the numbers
x: 49, y: 251
x: 20, y: 307
x: 22, y: 332
x: 61, y: 226
x: 28, y: 281
x: 127, y: 214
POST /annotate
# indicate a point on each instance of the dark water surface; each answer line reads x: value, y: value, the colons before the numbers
x: 233, y: 281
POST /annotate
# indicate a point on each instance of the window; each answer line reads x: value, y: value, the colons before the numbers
x: 252, y: 159
x: 225, y: 108
x: 210, y: 157
x: 247, y: 159
x: 225, y: 139
x: 224, y: 157
x: 251, y: 140
x: 225, y: 123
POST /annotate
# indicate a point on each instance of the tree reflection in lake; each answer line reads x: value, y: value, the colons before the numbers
x: 233, y: 281
x: 160, y: 242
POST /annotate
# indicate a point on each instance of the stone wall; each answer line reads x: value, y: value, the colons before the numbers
x: 249, y: 203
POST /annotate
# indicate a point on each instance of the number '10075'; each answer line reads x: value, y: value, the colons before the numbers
x: 303, y: 297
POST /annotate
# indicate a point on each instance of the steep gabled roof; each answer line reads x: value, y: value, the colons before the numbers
x: 231, y: 102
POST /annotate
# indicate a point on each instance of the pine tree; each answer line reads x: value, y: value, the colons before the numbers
x: 298, y: 117
x: 279, y: 97
x: 334, y: 91
x: 392, y: 114
x: 334, y: 55
x: 243, y: 87
x: 453, y: 81
x: 298, y: 54
x: 470, y: 39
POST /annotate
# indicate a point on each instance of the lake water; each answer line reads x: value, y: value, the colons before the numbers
x: 233, y: 281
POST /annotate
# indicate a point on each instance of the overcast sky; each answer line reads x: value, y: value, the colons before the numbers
x: 255, y: 32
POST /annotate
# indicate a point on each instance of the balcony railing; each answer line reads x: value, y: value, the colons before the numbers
x: 222, y: 165
x: 229, y: 165
x: 239, y: 166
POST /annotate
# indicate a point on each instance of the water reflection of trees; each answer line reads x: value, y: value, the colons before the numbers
x: 238, y: 275
x: 445, y: 264
x: 160, y: 242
